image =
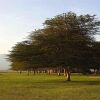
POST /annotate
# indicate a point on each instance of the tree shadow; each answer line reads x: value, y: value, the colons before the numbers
x: 83, y: 82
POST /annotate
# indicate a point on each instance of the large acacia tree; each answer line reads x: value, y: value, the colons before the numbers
x: 66, y: 40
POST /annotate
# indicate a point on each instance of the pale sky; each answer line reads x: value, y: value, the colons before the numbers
x: 19, y: 17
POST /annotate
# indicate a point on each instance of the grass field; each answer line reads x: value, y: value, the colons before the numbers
x: 48, y: 87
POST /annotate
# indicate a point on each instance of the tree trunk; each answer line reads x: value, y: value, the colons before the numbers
x: 67, y: 73
x: 28, y: 72
x: 48, y: 72
x: 34, y: 72
x: 59, y: 72
x: 20, y: 72
x: 64, y: 72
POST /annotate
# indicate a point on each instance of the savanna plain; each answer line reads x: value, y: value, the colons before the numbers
x: 14, y: 86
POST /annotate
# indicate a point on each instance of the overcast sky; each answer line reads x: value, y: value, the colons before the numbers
x: 19, y: 17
